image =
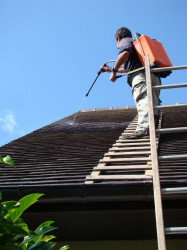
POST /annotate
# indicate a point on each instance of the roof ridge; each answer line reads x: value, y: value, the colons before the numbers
x: 109, y: 108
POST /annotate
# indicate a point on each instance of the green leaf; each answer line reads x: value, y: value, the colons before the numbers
x: 37, y: 235
x: 52, y: 244
x: 18, y: 237
x: 8, y: 160
x: 64, y: 248
x: 48, y: 238
x: 25, y: 202
x: 10, y: 204
x: 42, y: 226
x: 23, y: 225
x: 6, y: 208
x: 13, y: 229
x: 1, y: 159
x: 0, y: 196
x: 31, y: 238
x: 40, y: 245
x: 44, y: 230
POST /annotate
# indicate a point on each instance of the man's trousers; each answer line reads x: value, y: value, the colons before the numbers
x: 139, y: 93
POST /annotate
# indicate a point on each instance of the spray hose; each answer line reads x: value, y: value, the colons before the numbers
x: 130, y: 72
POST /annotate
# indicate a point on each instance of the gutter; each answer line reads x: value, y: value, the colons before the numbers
x: 85, y: 193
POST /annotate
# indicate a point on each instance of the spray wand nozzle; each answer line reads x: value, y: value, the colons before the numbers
x: 98, y: 74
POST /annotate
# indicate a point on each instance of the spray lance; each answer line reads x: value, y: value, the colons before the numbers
x: 98, y: 74
x: 118, y: 76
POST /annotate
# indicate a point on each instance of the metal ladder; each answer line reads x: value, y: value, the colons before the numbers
x: 161, y: 231
x: 138, y: 159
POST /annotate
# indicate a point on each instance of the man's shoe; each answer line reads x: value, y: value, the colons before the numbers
x: 137, y: 134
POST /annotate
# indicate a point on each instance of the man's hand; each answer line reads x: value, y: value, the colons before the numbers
x: 122, y: 57
x: 105, y: 68
x: 113, y: 76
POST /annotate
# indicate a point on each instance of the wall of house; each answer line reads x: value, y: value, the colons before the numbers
x: 122, y: 245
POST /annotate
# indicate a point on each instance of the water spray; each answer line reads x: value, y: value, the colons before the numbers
x: 98, y: 74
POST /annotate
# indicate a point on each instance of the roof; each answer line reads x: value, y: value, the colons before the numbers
x: 56, y: 159
x: 64, y: 153
x: 61, y: 153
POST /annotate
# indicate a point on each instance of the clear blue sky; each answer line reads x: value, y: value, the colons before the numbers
x: 51, y: 50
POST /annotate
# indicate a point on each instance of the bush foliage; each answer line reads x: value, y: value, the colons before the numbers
x: 14, y: 232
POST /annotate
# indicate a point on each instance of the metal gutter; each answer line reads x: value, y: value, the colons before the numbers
x: 85, y: 193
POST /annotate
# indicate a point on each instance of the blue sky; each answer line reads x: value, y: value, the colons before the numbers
x: 51, y: 51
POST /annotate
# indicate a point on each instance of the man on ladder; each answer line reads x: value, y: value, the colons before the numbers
x: 128, y: 61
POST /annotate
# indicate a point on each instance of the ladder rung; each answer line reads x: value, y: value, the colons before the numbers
x: 179, y: 85
x: 125, y: 159
x: 118, y: 167
x: 171, y: 130
x: 160, y: 107
x: 172, y: 157
x: 169, y: 68
x: 176, y: 230
x: 133, y: 140
x: 131, y: 144
x: 119, y: 177
x: 128, y: 153
x: 129, y: 148
x: 178, y: 190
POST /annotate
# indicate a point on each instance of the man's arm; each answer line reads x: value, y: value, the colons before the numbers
x: 108, y: 69
x: 122, y: 57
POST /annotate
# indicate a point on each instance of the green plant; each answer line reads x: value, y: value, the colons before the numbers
x: 14, y: 232
x: 7, y: 160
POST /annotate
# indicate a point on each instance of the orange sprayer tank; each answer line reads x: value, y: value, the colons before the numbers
x: 144, y: 45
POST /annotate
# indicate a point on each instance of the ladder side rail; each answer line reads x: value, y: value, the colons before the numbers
x: 168, y: 68
x: 170, y: 86
x: 154, y: 156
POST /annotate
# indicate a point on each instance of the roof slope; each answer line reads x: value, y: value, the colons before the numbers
x: 64, y: 154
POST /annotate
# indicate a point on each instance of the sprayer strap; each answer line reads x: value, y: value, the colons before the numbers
x: 130, y: 72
